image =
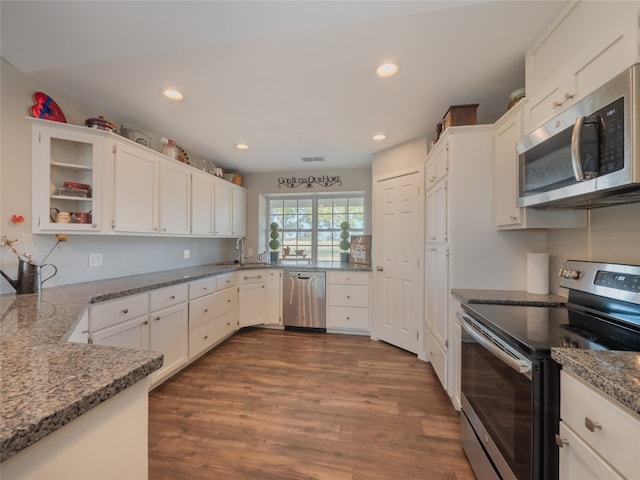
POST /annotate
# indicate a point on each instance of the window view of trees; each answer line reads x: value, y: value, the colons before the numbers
x: 310, y: 224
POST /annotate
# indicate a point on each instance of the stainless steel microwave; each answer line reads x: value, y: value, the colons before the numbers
x: 588, y: 156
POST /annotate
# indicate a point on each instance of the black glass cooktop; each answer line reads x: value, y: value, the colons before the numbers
x: 535, y: 330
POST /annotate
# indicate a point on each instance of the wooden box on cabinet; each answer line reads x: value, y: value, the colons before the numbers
x: 459, y: 115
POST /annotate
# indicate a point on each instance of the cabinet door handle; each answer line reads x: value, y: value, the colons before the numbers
x: 205, y: 337
x: 591, y: 425
x: 556, y: 104
x: 379, y: 268
x: 146, y: 322
x: 157, y: 319
x: 206, y: 310
x: 560, y: 442
x: 348, y: 296
x: 125, y: 311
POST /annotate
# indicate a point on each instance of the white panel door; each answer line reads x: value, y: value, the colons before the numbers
x: 399, y: 234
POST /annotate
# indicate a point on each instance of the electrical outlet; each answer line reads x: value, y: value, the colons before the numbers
x: 95, y: 259
x: 186, y: 254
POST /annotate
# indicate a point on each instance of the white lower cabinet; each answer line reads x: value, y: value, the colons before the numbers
x: 252, y: 298
x: 168, y: 334
x: 181, y: 321
x: 598, y: 437
x: 213, y: 315
x: 208, y: 334
x: 348, y: 302
x: 128, y: 334
x: 274, y: 297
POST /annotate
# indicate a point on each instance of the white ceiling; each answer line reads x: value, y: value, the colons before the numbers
x: 292, y: 79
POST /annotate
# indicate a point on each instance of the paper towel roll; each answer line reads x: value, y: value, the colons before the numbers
x: 538, y: 273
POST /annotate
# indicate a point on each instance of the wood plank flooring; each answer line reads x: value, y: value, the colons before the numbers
x: 269, y: 404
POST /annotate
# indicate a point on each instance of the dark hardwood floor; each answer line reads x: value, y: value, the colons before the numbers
x: 269, y: 404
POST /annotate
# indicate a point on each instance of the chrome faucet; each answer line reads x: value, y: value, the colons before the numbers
x: 240, y: 246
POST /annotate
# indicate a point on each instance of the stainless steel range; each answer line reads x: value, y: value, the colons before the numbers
x: 510, y: 384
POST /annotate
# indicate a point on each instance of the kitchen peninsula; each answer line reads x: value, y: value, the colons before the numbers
x: 48, y: 381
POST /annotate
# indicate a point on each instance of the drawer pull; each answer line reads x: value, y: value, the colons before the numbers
x: 248, y: 277
x: 560, y: 442
x: 172, y: 297
x: 591, y: 425
x: 157, y: 319
x: 125, y: 311
x: 205, y: 337
x: 206, y: 310
x: 228, y: 323
x: 204, y: 288
x: 228, y: 300
x: 348, y: 318
x: 348, y: 296
x: 146, y: 322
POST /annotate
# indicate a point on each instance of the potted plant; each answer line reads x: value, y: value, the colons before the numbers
x: 274, y: 243
x: 345, y: 244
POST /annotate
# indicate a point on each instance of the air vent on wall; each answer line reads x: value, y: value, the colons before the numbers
x: 312, y: 159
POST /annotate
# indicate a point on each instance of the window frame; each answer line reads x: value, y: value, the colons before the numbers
x: 314, y: 231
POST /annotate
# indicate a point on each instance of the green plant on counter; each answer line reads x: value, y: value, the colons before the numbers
x: 274, y: 243
x: 345, y: 244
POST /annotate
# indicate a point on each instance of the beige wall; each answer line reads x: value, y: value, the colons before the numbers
x: 400, y: 157
x: 261, y: 184
x: 612, y: 235
x: 121, y: 255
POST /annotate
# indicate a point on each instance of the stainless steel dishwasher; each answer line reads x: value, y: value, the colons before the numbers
x: 303, y: 303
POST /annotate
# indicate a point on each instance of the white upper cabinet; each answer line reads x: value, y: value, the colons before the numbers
x: 238, y: 212
x: 66, y: 154
x: 587, y: 44
x: 508, y: 131
x: 175, y: 198
x: 135, y: 189
x: 202, y: 198
x: 125, y: 188
x: 222, y: 208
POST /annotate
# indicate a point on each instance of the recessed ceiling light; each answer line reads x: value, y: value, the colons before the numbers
x: 387, y: 70
x: 172, y: 94
x: 242, y: 146
x: 379, y: 137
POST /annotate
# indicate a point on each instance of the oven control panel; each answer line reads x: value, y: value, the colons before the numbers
x: 612, y: 280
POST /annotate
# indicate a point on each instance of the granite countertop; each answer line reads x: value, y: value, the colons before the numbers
x: 616, y: 374
x: 508, y: 297
x: 46, y: 382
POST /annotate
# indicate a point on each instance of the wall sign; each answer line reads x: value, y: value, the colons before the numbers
x: 310, y: 181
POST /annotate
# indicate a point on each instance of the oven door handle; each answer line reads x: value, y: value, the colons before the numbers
x: 521, y: 365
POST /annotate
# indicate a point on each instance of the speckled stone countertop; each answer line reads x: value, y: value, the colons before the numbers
x: 616, y: 374
x: 46, y: 382
x: 508, y: 297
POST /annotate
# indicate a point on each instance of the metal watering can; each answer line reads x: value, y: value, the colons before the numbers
x: 29, y: 277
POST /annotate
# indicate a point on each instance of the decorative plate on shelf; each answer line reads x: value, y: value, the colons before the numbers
x: 45, y: 107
